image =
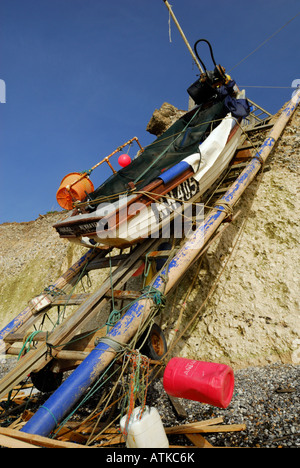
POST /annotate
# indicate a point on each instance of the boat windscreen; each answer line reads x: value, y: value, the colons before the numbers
x: 179, y: 141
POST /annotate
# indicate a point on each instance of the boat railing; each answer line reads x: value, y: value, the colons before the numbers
x: 257, y: 116
x: 106, y: 160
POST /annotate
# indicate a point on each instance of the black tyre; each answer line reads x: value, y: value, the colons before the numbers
x: 45, y: 380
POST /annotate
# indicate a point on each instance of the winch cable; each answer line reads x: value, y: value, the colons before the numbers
x: 265, y: 41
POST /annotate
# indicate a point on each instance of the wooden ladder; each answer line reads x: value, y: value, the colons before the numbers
x: 54, y: 345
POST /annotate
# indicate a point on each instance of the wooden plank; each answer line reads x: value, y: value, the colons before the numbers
x: 199, y: 441
x: 19, y: 337
x: 67, y: 435
x: 258, y: 128
x: 206, y: 429
x: 77, y: 299
x: 33, y: 440
x: 122, y: 295
x: 72, y: 355
x: 180, y: 411
x: 71, y: 299
x: 192, y: 427
x: 114, y: 260
x: 111, y: 440
x: 9, y: 442
x: 223, y: 428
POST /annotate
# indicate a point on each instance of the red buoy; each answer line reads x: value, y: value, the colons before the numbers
x: 124, y: 160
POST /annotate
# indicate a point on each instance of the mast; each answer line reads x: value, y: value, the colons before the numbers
x: 183, y: 35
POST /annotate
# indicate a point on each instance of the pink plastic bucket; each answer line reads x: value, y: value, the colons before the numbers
x: 206, y: 382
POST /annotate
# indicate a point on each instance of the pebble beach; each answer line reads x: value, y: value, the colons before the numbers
x: 266, y: 399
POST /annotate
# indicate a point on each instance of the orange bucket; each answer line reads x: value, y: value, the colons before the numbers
x: 65, y: 197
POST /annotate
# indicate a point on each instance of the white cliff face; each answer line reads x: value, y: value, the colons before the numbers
x: 253, y: 316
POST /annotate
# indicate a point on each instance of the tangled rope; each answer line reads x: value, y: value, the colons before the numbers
x: 138, y: 385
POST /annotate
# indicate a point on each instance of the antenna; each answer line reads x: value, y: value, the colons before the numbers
x: 183, y: 35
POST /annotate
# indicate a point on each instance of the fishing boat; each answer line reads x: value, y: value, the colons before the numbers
x: 152, y: 194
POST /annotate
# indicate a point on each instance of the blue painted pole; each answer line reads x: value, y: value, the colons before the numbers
x: 72, y: 389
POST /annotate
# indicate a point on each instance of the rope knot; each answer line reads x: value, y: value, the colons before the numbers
x: 155, y: 294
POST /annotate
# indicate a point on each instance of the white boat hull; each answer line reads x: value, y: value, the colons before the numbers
x: 140, y: 221
x: 159, y: 215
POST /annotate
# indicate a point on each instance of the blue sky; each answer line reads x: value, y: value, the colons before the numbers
x: 84, y: 76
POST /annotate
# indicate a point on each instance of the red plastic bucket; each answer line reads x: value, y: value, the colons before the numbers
x: 206, y: 382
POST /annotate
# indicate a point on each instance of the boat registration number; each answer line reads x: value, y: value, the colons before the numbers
x: 174, y: 199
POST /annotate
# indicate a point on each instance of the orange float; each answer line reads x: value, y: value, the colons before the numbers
x: 74, y: 187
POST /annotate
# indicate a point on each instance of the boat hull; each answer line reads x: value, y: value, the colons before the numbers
x: 161, y: 206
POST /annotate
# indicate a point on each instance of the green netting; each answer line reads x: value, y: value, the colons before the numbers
x: 179, y: 141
